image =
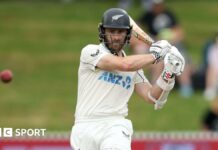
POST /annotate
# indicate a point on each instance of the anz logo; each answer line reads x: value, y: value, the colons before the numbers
x: 125, y: 82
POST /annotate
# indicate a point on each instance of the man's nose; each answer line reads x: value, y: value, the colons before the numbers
x: 116, y: 36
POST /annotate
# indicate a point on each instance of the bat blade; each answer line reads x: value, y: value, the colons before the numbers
x: 139, y: 33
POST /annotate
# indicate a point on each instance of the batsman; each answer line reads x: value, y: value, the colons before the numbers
x: 107, y: 78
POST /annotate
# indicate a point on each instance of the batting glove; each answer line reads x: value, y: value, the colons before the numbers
x: 174, y: 62
x: 159, y: 49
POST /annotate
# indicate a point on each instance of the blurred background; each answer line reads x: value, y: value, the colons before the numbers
x: 41, y: 40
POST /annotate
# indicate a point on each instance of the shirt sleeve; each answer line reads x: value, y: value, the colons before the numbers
x: 90, y: 56
x: 140, y: 77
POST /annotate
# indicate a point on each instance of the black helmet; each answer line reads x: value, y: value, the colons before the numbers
x: 115, y: 18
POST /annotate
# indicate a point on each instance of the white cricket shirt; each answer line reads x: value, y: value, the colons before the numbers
x: 103, y: 94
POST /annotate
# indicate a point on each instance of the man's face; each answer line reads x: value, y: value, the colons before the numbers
x: 115, y: 38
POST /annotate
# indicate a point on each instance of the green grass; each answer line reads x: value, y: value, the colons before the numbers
x: 41, y: 43
x: 177, y: 115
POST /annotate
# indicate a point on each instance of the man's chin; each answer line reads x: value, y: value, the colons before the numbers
x: 117, y: 47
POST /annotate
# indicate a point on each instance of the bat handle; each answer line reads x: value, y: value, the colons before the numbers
x: 146, y: 39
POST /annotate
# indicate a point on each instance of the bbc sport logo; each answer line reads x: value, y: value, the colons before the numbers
x: 10, y: 132
x: 6, y: 132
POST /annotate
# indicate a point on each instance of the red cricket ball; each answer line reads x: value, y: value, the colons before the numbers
x: 6, y: 76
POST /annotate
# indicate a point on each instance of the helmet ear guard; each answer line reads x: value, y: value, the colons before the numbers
x: 101, y: 32
x: 128, y: 36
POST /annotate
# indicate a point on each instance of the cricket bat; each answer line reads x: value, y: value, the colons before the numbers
x: 139, y: 33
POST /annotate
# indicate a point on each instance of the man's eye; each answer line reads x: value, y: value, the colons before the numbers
x: 113, y: 32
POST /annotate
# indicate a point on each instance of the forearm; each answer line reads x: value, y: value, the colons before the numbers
x: 157, y: 52
x: 156, y: 91
x: 160, y: 91
x: 136, y: 62
x: 128, y: 63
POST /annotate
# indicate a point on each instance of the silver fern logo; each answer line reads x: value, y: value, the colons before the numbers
x: 116, y: 17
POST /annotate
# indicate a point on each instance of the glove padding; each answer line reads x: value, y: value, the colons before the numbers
x: 174, y: 62
x: 159, y: 49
